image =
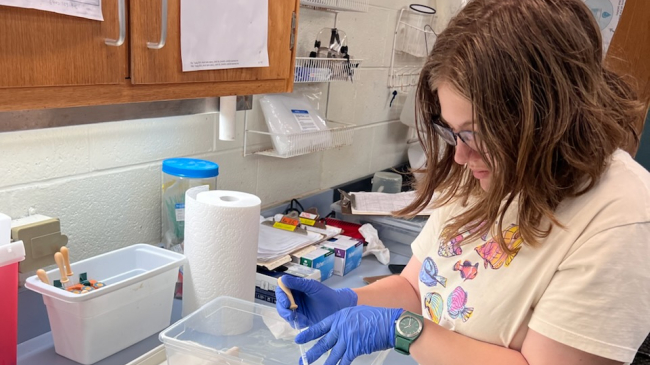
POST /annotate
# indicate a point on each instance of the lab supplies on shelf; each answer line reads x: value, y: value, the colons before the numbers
x: 310, y: 69
x: 338, y: 5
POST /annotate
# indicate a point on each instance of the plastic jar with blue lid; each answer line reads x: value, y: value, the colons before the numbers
x: 179, y: 175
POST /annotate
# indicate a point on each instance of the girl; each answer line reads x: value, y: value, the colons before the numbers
x: 537, y: 250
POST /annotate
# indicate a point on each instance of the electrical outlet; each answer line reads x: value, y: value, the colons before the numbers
x: 42, y: 238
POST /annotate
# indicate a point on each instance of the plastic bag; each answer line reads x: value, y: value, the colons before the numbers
x: 294, y: 124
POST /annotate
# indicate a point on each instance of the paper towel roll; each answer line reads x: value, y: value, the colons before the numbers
x: 221, y: 233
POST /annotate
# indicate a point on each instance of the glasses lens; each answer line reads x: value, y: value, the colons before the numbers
x: 446, y: 134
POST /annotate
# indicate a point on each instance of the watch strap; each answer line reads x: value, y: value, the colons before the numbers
x: 402, y: 345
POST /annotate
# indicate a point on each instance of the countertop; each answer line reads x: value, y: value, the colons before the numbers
x: 40, y: 350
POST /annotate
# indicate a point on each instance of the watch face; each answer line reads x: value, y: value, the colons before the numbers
x: 409, y: 326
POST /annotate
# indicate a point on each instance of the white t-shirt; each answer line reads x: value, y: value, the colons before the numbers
x: 586, y: 286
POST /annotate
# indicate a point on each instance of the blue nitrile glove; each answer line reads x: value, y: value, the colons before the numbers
x: 351, y: 332
x: 315, y: 301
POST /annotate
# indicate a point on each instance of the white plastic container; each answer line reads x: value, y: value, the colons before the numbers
x: 398, y: 230
x: 135, y: 303
x: 233, y: 331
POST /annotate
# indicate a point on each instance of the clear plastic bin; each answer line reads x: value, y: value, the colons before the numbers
x: 233, y: 331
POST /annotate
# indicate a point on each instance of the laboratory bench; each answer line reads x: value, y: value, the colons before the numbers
x: 40, y: 349
x: 36, y: 346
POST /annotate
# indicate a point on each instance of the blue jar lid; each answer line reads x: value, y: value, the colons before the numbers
x: 190, y: 167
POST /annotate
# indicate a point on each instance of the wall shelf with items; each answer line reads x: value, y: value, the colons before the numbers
x: 325, y: 69
x: 297, y: 144
x: 338, y: 5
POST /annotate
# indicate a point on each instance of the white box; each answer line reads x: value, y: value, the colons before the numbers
x: 347, y: 253
x: 135, y: 303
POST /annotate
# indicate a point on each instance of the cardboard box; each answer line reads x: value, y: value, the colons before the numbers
x: 347, y: 253
x: 321, y: 259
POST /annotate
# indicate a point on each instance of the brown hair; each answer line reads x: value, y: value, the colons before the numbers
x: 547, y: 111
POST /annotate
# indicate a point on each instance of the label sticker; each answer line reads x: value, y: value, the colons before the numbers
x: 286, y: 227
x: 305, y: 121
x: 309, y: 215
x: 307, y: 222
x: 180, y: 212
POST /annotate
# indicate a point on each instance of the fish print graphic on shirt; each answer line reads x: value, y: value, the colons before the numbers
x: 457, y: 305
x: 467, y: 270
x: 429, y: 274
x: 493, y: 255
x: 452, y: 247
x: 434, y: 304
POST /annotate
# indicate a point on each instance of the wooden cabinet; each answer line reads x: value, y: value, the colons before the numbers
x: 629, y: 52
x: 39, y: 48
x: 155, y: 66
x: 49, y: 60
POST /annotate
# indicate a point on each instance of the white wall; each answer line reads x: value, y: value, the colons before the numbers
x: 103, y: 180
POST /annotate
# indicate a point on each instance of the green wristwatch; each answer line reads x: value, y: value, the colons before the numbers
x: 407, y: 329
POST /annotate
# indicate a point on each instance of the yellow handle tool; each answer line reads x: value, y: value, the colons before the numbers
x: 293, y: 307
x: 43, y: 276
x: 66, y: 258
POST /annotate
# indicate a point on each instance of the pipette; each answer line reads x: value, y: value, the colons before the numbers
x: 293, y: 307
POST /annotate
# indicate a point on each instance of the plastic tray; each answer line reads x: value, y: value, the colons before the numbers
x: 389, y: 228
x: 233, y: 331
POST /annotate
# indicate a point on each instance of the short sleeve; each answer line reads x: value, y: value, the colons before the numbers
x: 598, y: 300
x: 426, y: 240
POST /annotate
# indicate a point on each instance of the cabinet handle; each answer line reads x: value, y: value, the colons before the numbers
x: 163, y: 29
x: 122, y: 19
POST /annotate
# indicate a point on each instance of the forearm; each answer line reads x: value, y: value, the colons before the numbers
x: 440, y: 346
x: 392, y: 292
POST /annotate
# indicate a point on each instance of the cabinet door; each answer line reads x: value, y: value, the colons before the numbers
x: 629, y: 51
x: 39, y: 48
x: 151, y: 66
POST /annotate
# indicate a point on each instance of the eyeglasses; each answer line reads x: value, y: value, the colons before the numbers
x: 448, y: 135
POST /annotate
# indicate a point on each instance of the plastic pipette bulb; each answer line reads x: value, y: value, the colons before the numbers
x: 58, y: 258
x: 43, y: 276
x: 293, y: 307
x: 66, y: 258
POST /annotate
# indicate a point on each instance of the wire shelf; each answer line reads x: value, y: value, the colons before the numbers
x: 340, y: 5
x: 404, y: 78
x: 325, y: 69
x: 297, y: 144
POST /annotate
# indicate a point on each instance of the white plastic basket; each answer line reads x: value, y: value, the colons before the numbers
x: 339, y: 135
x: 135, y: 303
x: 342, y: 5
x: 325, y: 69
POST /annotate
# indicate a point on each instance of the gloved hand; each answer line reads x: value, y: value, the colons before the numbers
x: 315, y: 301
x: 350, y: 333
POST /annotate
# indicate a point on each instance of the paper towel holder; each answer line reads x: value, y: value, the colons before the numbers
x: 228, y: 106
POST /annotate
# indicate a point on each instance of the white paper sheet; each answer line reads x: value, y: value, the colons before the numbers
x: 383, y: 203
x: 90, y: 9
x: 607, y: 14
x: 220, y: 34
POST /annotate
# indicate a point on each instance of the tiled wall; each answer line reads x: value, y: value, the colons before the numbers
x: 103, y: 180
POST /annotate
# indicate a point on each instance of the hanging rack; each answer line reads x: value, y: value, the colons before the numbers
x: 415, y: 42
